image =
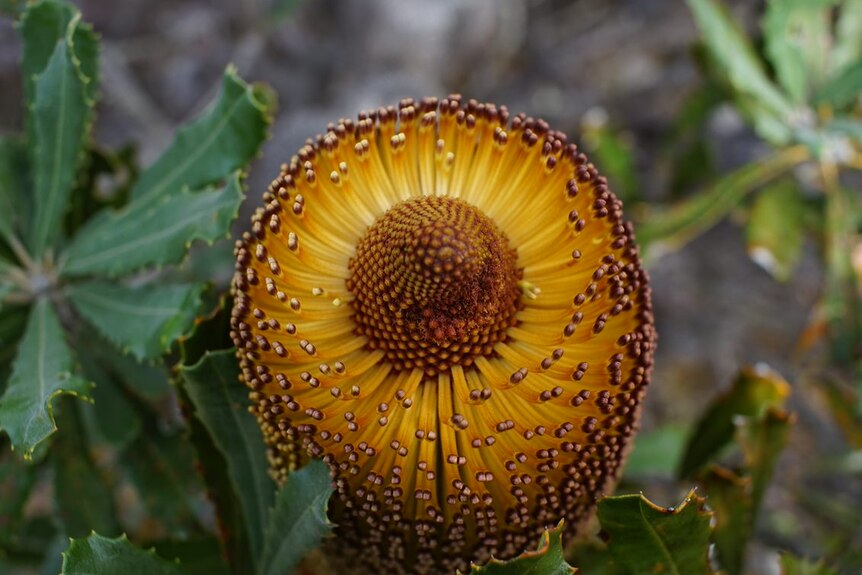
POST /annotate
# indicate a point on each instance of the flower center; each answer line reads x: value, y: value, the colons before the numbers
x: 435, y: 284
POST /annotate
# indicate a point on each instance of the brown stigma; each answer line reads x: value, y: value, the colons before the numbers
x: 435, y: 284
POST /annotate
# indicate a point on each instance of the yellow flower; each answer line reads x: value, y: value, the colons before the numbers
x: 445, y: 304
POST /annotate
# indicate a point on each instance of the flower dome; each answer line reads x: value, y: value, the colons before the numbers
x: 445, y: 304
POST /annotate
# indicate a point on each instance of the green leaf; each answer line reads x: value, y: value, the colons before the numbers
x: 41, y: 372
x: 162, y: 469
x: 646, y: 538
x: 762, y: 440
x: 730, y: 48
x: 147, y: 233
x: 97, y: 555
x: 221, y: 141
x: 754, y: 391
x: 729, y: 497
x: 16, y: 481
x: 798, y: 37
x: 199, y: 556
x: 848, y: 36
x: 791, y: 565
x: 13, y: 320
x: 656, y: 453
x: 14, y: 170
x: 664, y: 231
x: 547, y: 559
x: 83, y: 497
x: 112, y: 418
x: 844, y: 90
x: 775, y: 230
x: 62, y: 109
x: 145, y: 321
x: 220, y: 403
x: 298, y: 522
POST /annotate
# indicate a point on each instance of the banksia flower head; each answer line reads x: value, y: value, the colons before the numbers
x: 446, y: 306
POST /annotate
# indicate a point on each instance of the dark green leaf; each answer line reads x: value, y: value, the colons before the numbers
x: 221, y: 141
x: 147, y: 233
x: 16, y: 481
x: 41, y: 372
x: 84, y: 499
x: 731, y: 49
x: 729, y: 497
x: 42, y: 26
x: 97, y: 555
x: 753, y: 392
x: 221, y: 403
x: 646, y: 538
x: 844, y: 90
x: 13, y: 320
x: 797, y: 34
x: 547, y: 559
x: 14, y: 170
x: 162, y: 470
x: 197, y: 556
x: 775, y: 229
x: 145, y: 321
x: 298, y: 522
x: 62, y: 106
x: 664, y: 231
x: 111, y: 418
x: 791, y: 565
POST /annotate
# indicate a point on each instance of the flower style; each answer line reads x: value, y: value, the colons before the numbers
x: 445, y: 305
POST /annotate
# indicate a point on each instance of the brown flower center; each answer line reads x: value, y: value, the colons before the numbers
x: 435, y: 284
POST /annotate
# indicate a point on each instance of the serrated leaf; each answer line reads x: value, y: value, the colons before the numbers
x: 670, y: 229
x: 220, y: 403
x: 14, y: 171
x: 147, y: 233
x: 83, y: 497
x: 754, y: 391
x: 144, y: 321
x: 731, y: 49
x: 62, y: 106
x: 646, y: 538
x: 41, y: 372
x: 797, y: 34
x: 547, y: 559
x: 98, y: 555
x: 775, y: 230
x: 298, y: 522
x: 848, y: 36
x: 791, y: 565
x: 221, y: 141
x: 197, y: 556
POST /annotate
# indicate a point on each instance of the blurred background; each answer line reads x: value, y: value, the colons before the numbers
x: 622, y: 78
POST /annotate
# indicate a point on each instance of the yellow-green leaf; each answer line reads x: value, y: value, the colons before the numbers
x: 775, y: 230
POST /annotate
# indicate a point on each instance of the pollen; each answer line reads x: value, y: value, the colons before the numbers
x: 444, y: 303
